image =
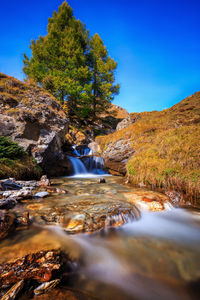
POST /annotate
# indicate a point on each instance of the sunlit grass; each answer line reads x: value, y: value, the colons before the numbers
x: 167, y: 148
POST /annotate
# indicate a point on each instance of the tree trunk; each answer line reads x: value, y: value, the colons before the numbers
x: 94, y: 99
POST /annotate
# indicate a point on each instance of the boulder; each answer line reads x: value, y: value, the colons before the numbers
x: 124, y: 123
x: 95, y: 148
x: 130, y: 119
x: 9, y: 185
x: 33, y: 118
x: 116, y: 155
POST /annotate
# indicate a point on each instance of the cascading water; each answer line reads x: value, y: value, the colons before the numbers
x: 86, y: 163
x: 78, y: 166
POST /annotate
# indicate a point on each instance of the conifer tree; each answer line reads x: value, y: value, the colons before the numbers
x: 102, y: 68
x: 74, y: 68
x: 58, y: 61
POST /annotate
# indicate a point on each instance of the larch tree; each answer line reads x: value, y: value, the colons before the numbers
x: 103, y: 69
x: 75, y: 68
x: 58, y: 61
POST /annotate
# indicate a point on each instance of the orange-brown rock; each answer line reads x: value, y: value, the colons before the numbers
x: 44, y: 181
x: 41, y: 266
x: 6, y: 223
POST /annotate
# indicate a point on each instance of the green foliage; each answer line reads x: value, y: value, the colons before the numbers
x: 71, y: 66
x: 58, y: 61
x: 14, y: 161
x: 10, y: 149
x: 102, y: 67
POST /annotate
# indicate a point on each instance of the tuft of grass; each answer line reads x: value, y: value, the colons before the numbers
x: 14, y: 161
x: 23, y: 169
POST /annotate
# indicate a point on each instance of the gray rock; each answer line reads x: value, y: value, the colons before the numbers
x: 117, y: 154
x: 124, y: 123
x: 38, y: 124
x: 7, y: 203
x: 95, y: 148
x: 41, y: 194
x: 10, y: 185
x: 21, y: 194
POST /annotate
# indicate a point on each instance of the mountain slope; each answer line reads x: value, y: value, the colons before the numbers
x: 162, y: 148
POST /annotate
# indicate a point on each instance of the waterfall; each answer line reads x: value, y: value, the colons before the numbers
x: 81, y: 150
x: 85, y: 162
x: 78, y: 166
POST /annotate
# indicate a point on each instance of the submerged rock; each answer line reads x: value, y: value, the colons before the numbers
x: 23, y: 220
x: 14, y: 291
x: 57, y: 190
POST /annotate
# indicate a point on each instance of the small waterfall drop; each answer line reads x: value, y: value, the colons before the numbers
x: 86, y: 163
x: 78, y: 166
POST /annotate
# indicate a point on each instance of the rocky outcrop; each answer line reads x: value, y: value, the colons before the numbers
x: 116, y: 155
x: 34, y: 119
x: 130, y: 119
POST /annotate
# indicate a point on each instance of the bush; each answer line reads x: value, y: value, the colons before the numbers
x: 10, y: 149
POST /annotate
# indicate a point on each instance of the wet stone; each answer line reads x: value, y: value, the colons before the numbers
x: 41, y: 194
x: 6, y: 223
x: 44, y: 181
x: 7, y: 203
x: 10, y: 185
x: 14, y: 291
x: 40, y: 266
x: 47, y: 286
x: 21, y: 194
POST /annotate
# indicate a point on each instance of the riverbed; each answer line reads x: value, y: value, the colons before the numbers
x: 126, y: 243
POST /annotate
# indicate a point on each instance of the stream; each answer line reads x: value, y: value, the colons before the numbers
x: 153, y: 256
x: 130, y: 243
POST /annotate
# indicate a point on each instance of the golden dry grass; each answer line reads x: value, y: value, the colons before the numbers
x: 167, y: 148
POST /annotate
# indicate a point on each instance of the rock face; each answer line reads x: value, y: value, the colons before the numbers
x: 130, y: 119
x: 34, y: 119
x: 124, y: 123
x: 116, y: 156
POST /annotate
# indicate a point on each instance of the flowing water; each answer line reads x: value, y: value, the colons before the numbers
x: 78, y: 166
x: 85, y: 163
x: 152, y: 256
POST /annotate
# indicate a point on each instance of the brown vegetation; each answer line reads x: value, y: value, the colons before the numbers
x: 167, y: 148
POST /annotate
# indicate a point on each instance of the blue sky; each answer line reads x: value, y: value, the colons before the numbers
x: 155, y: 42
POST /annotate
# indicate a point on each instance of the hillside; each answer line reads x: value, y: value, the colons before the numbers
x: 34, y: 119
x: 160, y: 149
